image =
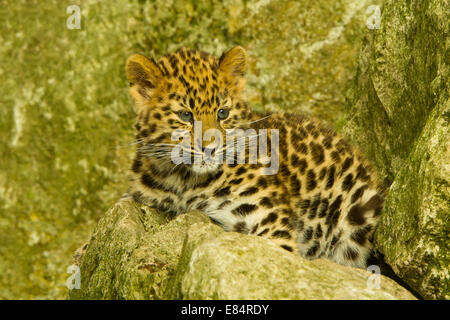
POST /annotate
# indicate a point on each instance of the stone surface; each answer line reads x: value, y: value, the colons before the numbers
x: 402, y: 74
x: 302, y: 54
x: 132, y: 253
x: 399, y: 114
x: 143, y: 255
x: 414, y: 231
x: 66, y: 118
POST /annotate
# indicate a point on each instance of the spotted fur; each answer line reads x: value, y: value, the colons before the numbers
x: 323, y: 202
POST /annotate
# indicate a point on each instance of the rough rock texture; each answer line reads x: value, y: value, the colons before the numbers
x: 143, y: 255
x: 66, y: 117
x: 399, y: 114
x: 414, y: 232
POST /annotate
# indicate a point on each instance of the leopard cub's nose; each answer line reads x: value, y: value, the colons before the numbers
x: 209, y: 151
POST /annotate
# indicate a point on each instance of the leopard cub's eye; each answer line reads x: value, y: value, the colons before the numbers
x: 186, y: 116
x: 223, y: 114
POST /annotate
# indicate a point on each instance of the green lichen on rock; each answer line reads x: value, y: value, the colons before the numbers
x: 414, y: 231
x: 64, y: 113
x: 129, y: 257
x: 402, y: 73
x: 303, y: 54
x: 399, y: 115
x: 132, y: 253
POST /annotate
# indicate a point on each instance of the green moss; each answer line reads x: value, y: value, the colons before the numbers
x: 397, y: 66
x: 414, y: 230
x: 60, y: 131
x: 397, y: 112
x: 125, y: 260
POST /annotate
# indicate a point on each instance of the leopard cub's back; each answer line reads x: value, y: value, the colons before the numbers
x: 334, y: 193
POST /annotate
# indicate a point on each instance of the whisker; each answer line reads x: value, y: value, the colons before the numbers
x: 161, y: 144
x: 254, y: 121
x: 129, y: 144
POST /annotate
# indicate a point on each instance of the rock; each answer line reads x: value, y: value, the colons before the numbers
x: 414, y: 231
x: 143, y: 255
x: 132, y: 253
x: 398, y: 113
x: 225, y: 265
x: 66, y: 129
x: 400, y: 78
x: 302, y: 54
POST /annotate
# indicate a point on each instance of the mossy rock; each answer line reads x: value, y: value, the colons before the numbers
x: 137, y: 253
x: 398, y: 113
x: 414, y: 231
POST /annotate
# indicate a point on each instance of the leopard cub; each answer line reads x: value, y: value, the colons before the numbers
x: 323, y: 201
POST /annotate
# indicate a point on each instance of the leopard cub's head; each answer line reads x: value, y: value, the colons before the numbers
x: 183, y: 91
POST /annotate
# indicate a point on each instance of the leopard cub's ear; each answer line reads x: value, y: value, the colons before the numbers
x: 232, y: 65
x: 233, y: 61
x: 144, y: 76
